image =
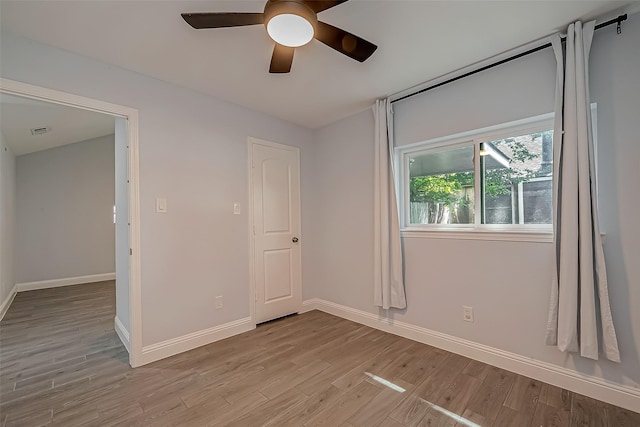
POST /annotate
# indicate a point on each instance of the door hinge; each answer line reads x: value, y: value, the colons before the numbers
x: 130, y: 251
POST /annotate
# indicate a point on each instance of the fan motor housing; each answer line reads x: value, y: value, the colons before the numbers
x: 280, y: 7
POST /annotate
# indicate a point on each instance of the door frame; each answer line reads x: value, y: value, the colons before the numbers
x: 251, y: 141
x: 12, y: 87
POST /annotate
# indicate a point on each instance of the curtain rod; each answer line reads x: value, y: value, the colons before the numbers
x: 617, y: 20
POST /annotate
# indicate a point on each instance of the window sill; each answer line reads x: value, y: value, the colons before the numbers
x: 536, y: 236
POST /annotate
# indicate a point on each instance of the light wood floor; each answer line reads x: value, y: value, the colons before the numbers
x: 62, y: 364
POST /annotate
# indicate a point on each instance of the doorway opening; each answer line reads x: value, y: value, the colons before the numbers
x: 128, y: 322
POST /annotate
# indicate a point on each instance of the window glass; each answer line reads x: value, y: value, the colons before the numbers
x: 441, y: 187
x: 516, y: 175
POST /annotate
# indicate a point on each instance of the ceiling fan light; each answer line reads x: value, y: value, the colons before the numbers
x: 289, y: 29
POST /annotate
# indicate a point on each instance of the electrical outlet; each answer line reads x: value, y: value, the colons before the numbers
x: 467, y: 313
x: 219, y: 302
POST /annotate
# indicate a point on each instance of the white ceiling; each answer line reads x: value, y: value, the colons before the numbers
x: 68, y: 125
x: 418, y: 41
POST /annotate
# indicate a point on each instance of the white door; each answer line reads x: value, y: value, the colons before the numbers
x: 275, y: 183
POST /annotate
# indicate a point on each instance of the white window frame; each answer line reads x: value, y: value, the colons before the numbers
x: 477, y: 231
x: 521, y: 194
x: 511, y: 232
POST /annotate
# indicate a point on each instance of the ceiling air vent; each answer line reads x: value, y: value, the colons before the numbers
x: 40, y: 131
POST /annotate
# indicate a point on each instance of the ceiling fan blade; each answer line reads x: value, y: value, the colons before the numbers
x: 281, y: 59
x: 344, y: 42
x: 320, y: 5
x: 222, y: 19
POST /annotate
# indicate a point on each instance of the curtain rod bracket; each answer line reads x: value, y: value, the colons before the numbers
x: 618, y: 27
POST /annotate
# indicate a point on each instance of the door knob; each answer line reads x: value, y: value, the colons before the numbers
x: 294, y: 240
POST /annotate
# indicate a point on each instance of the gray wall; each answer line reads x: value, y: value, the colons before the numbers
x: 7, y: 218
x: 193, y: 151
x: 615, y: 86
x: 64, y: 202
x: 507, y: 283
x: 509, y: 92
x: 340, y: 238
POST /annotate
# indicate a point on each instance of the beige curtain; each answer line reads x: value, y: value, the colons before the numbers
x: 580, y: 276
x: 388, y: 279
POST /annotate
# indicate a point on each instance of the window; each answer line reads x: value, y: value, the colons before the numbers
x: 493, y: 179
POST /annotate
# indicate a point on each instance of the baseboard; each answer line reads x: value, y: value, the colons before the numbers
x: 67, y: 281
x: 122, y: 332
x: 624, y: 396
x: 7, y: 301
x: 171, y: 347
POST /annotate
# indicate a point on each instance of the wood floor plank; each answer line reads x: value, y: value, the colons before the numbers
x: 508, y: 417
x: 61, y: 363
x: 619, y: 417
x: 378, y: 408
x: 457, y: 395
x: 554, y: 396
x: 550, y: 416
x: 422, y: 365
x: 477, y: 370
x: 270, y: 409
x: 338, y: 412
x: 123, y: 415
x: 419, y: 402
x: 76, y: 415
x: 166, y: 415
x: 36, y: 418
x: 316, y: 403
x: 468, y: 416
x: 326, y: 377
x: 291, y: 379
x: 245, y: 384
x: 586, y: 411
x: 434, y: 418
x: 359, y: 373
x: 201, y: 395
x: 523, y: 396
x: 240, y: 408
x: 411, y: 410
x: 489, y: 399
x: 400, y: 366
x: 389, y: 422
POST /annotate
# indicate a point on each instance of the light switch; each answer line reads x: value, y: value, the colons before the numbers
x: 161, y: 205
x: 236, y: 208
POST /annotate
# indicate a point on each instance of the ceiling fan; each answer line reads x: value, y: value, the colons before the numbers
x: 290, y: 23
